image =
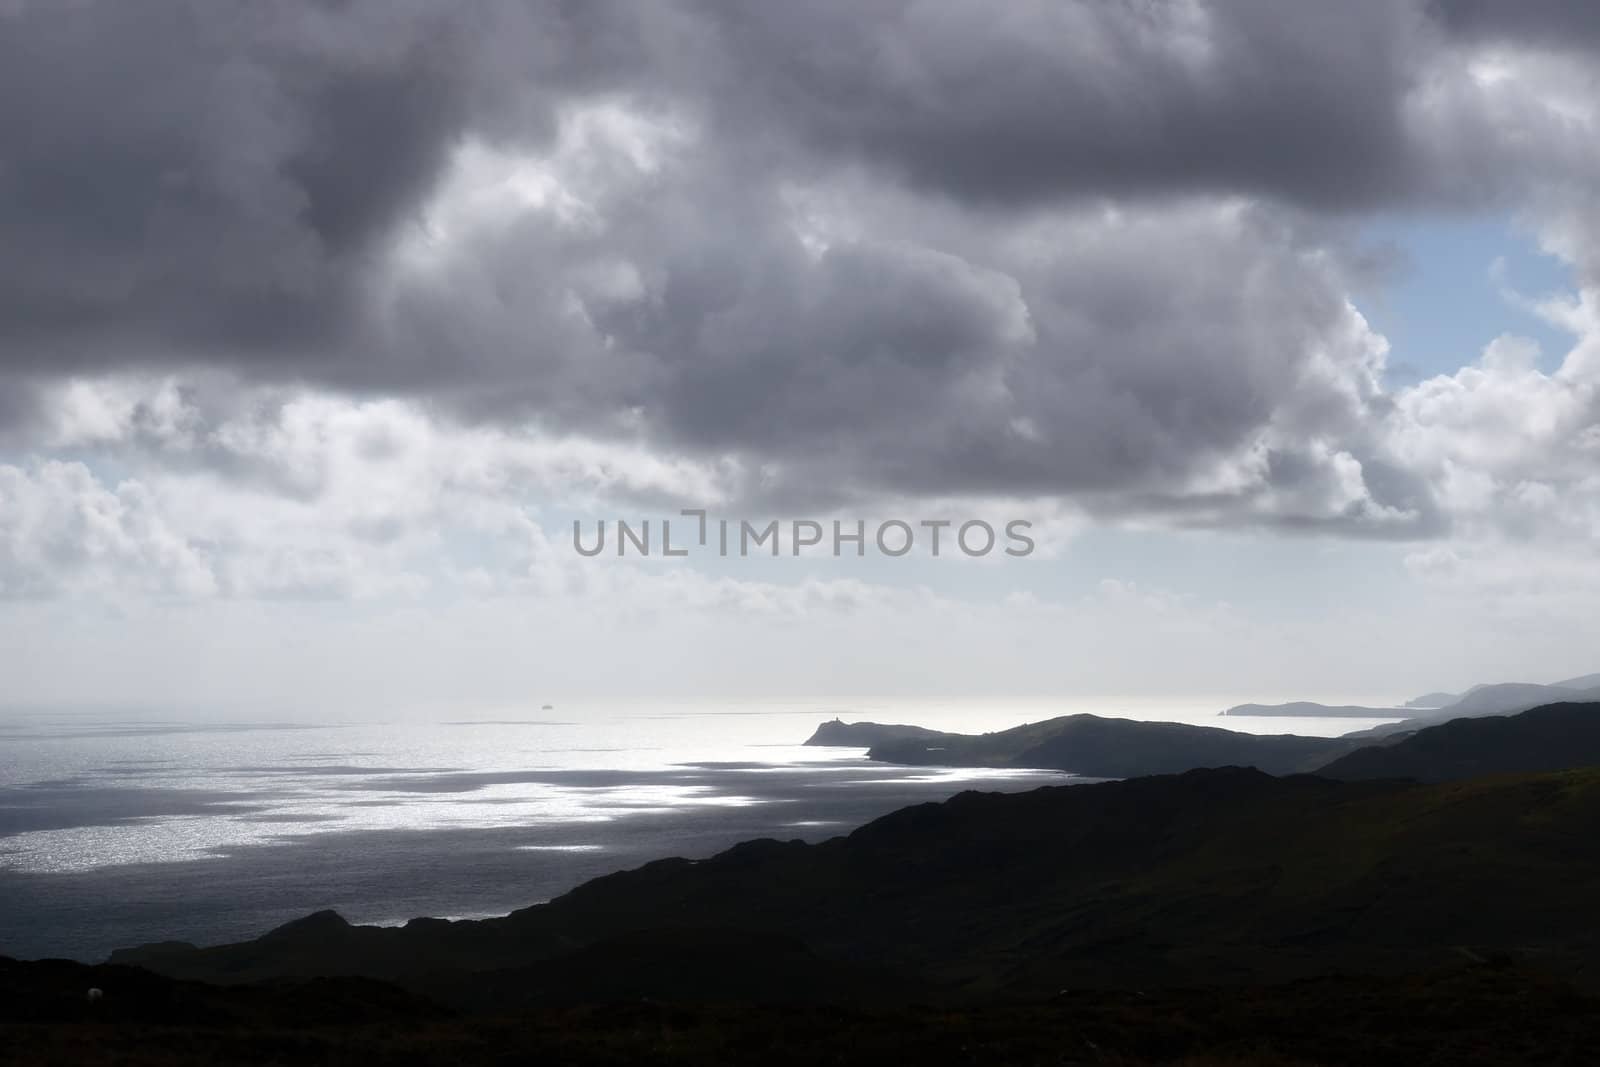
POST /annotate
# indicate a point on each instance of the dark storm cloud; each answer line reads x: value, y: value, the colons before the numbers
x: 1067, y: 251
x: 186, y: 174
x: 1041, y: 100
x: 184, y: 179
x: 213, y: 177
x: 1084, y: 352
x: 1561, y: 23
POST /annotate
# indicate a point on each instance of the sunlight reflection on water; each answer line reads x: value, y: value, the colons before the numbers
x: 79, y: 793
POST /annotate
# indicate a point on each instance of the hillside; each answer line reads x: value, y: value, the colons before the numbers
x: 1551, y: 738
x: 1091, y: 746
x: 1213, y: 876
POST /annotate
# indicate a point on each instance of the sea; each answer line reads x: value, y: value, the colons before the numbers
x: 118, y: 829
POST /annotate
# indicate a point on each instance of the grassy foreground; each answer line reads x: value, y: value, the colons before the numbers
x: 1473, y: 1015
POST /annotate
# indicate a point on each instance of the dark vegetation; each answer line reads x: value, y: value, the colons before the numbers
x: 1474, y: 1015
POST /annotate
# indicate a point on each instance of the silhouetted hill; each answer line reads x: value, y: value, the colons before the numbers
x: 1211, y: 876
x: 1092, y: 746
x: 1552, y: 738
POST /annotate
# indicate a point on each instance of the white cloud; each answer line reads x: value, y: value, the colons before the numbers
x: 62, y: 531
x: 1505, y: 446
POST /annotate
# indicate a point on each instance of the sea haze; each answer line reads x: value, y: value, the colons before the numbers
x: 120, y: 830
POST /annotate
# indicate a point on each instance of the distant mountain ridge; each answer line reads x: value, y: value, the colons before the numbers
x: 1587, y: 681
x: 1499, y: 698
x: 1508, y: 697
x: 1553, y: 737
x: 1502, y: 698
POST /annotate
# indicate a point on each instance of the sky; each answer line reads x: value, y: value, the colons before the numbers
x: 322, y: 323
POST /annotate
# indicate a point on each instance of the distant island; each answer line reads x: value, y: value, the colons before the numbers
x: 1310, y: 709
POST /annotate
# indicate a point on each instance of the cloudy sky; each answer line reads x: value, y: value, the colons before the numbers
x: 321, y: 322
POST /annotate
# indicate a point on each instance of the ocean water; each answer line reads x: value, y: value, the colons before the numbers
x: 118, y: 830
